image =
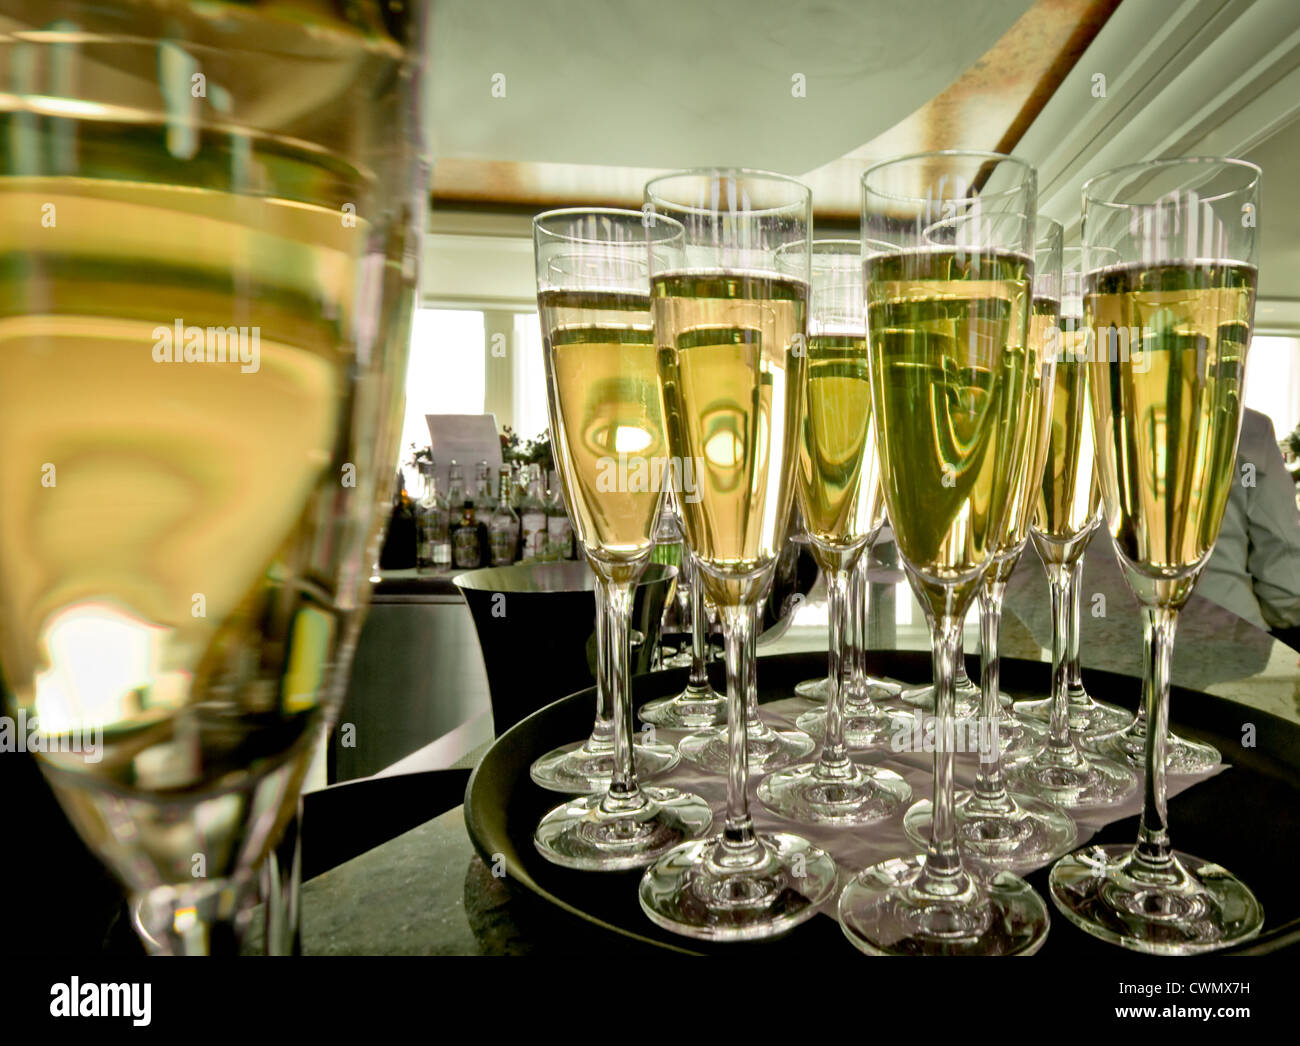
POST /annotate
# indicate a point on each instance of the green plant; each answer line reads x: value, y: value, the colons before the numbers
x: 536, y: 451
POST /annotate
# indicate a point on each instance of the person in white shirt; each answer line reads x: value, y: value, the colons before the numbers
x: 1255, y: 568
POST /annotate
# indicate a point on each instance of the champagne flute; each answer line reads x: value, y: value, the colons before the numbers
x: 1167, y: 419
x: 1068, y: 509
x: 200, y: 349
x: 861, y: 689
x: 862, y: 686
x: 699, y: 705
x: 839, y: 494
x: 607, y: 427
x: 730, y: 317
x: 1061, y: 771
x: 951, y: 367
x: 587, y: 767
x: 997, y: 828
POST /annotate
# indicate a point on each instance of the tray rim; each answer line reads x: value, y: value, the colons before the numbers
x: 1274, y: 939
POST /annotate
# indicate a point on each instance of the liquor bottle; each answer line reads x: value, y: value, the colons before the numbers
x: 456, y: 493
x: 532, y: 517
x: 433, y: 549
x: 398, y: 552
x: 469, y: 539
x: 484, y: 503
x: 503, y: 527
x: 559, y: 530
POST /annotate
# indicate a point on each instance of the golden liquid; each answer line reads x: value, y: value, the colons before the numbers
x: 1070, y: 494
x: 733, y: 391
x: 606, y: 418
x: 839, y: 471
x: 1167, y: 422
x: 950, y: 374
x: 1044, y: 321
x: 168, y: 560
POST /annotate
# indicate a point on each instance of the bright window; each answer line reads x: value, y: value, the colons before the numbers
x: 446, y: 370
x: 529, y: 391
x: 1273, y: 381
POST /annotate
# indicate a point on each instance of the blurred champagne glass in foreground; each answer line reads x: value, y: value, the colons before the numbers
x: 206, y: 210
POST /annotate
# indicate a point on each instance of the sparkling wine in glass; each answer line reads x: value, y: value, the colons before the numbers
x: 731, y: 322
x: 607, y: 427
x: 951, y: 371
x: 1167, y: 415
x: 1068, y: 509
x: 997, y: 828
x: 198, y: 354
x: 1061, y: 770
x: 839, y: 493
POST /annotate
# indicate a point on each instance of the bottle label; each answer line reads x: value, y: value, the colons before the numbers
x: 503, y: 547
x: 559, y: 535
x: 465, y: 547
x: 534, y: 535
x: 442, y: 553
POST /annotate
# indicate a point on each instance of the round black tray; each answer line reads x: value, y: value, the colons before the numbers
x: 1236, y: 818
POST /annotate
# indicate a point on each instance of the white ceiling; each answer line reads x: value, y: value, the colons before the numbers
x: 669, y: 84
x: 683, y: 83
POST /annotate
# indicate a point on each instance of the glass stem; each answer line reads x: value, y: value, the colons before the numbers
x: 739, y: 846
x: 990, y: 787
x: 1075, y: 679
x: 857, y: 623
x: 699, y: 632
x: 943, y: 874
x: 1158, y: 643
x: 208, y: 917
x: 281, y: 884
x: 834, y: 760
x: 1060, y: 581
x: 602, y: 734
x: 623, y: 793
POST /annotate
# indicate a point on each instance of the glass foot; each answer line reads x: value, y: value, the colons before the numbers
x: 1019, y: 739
x: 865, y: 726
x: 768, y: 749
x: 1069, y: 778
x: 582, y: 834
x: 968, y: 699
x: 697, y: 891
x: 1182, y: 756
x: 1015, y: 835
x: 681, y: 659
x: 689, y: 710
x: 815, y: 794
x: 1090, y: 721
x: 872, y: 688
x: 883, y: 913
x: 581, y: 769
x: 1181, y: 908
x: 812, y: 689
